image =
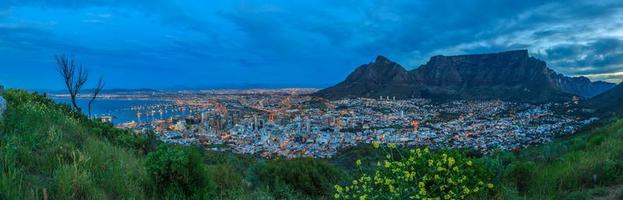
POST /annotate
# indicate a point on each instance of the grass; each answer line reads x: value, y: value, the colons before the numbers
x: 46, y: 152
x: 565, y: 168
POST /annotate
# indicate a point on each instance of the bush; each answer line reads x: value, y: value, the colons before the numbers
x: 229, y: 183
x: 420, y: 174
x: 308, y: 176
x: 179, y: 170
x: 143, y: 143
x: 520, y: 174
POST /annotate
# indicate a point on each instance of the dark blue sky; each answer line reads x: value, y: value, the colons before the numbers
x: 167, y: 44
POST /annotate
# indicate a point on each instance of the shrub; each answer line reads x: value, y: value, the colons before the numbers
x: 179, y: 170
x: 309, y: 176
x: 143, y: 143
x: 521, y: 174
x: 228, y: 181
x: 420, y: 174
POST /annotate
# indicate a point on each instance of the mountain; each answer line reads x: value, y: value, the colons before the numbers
x: 381, y: 77
x: 511, y: 75
x: 583, y: 86
x: 610, y: 102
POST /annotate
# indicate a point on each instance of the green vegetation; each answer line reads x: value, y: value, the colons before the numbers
x: 176, y: 170
x: 582, y: 166
x: 306, y: 175
x: 49, y: 151
x: 419, y: 174
x: 573, y: 167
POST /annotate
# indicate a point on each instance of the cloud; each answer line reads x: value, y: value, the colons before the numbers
x: 578, y: 38
x: 278, y: 41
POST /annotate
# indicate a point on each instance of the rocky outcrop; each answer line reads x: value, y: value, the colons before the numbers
x: 582, y: 86
x: 511, y: 75
x: 381, y: 77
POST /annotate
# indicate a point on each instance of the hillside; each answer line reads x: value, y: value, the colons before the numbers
x: 610, y: 102
x: 511, y: 75
x: 582, y: 166
x: 586, y: 165
x: 49, y: 151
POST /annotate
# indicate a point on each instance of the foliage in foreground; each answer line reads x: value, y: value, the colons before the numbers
x: 177, y: 170
x: 419, y: 174
x: 312, y: 177
x: 569, y: 168
x: 48, y: 150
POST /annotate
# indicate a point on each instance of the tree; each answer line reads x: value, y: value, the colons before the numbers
x: 75, y: 77
x: 96, y: 91
x: 74, y: 80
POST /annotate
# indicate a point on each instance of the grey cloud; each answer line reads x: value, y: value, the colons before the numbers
x: 567, y: 34
x: 601, y: 55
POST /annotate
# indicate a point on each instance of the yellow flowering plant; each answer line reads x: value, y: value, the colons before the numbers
x: 419, y: 174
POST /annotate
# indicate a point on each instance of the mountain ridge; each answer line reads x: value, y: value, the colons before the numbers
x: 510, y: 75
x: 610, y: 102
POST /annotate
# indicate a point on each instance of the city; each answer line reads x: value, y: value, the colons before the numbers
x: 291, y: 123
x: 305, y: 100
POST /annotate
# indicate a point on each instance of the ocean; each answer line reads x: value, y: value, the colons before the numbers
x: 121, y: 110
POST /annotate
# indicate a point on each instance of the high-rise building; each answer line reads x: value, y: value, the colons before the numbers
x: 307, y: 125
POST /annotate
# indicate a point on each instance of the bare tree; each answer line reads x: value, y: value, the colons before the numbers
x: 74, y: 80
x: 96, y: 91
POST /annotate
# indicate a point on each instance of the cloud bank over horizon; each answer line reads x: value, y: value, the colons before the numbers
x: 164, y: 44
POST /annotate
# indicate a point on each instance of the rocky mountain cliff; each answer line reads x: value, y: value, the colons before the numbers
x: 583, y: 86
x: 511, y: 75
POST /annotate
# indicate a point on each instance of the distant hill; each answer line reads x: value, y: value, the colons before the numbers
x: 105, y: 91
x: 582, y: 86
x: 610, y: 102
x: 511, y: 75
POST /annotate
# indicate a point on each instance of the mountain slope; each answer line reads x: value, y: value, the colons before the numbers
x: 381, y: 77
x: 610, y: 102
x: 511, y: 75
x: 583, y: 86
x: 48, y: 151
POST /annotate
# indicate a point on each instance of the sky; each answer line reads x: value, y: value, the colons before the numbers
x: 196, y: 44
